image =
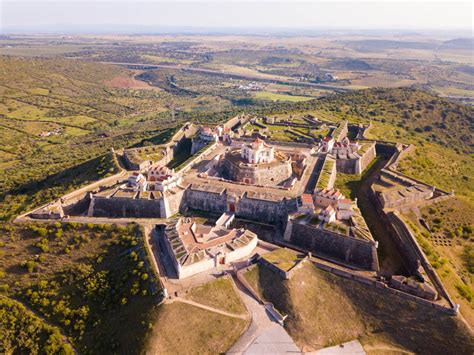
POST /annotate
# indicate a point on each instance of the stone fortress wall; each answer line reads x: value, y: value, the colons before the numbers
x: 169, y: 149
x: 352, y: 251
x: 268, y: 175
x: 400, y: 232
x: 121, y: 207
x: 357, y: 165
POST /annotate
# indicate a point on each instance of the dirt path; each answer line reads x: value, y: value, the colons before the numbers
x: 208, y: 308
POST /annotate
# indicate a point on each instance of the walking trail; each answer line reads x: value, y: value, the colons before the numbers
x: 208, y: 308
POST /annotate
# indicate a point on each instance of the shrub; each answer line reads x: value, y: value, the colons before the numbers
x: 30, y: 265
x: 465, y: 291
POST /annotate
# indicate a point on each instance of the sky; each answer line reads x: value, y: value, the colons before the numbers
x: 143, y: 15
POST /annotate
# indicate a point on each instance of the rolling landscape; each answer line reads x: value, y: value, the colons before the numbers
x: 84, y: 117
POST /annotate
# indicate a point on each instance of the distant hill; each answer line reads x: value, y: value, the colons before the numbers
x: 459, y: 43
x: 374, y: 45
x: 350, y: 64
x: 437, y: 119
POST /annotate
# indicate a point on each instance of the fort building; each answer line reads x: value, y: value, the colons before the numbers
x: 256, y: 163
x: 195, y: 247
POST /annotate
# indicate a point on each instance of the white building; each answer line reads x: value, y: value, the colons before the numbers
x: 257, y: 152
x: 327, y: 197
x: 328, y: 214
x: 194, y: 247
x: 326, y: 144
x: 137, y: 182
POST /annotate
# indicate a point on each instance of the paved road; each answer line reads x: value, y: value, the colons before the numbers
x: 264, y: 336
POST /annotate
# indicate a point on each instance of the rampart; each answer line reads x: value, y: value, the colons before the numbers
x: 352, y: 251
x: 357, y: 164
x: 121, y: 207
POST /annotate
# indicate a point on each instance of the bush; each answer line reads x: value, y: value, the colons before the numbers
x: 465, y: 291
x: 30, y: 265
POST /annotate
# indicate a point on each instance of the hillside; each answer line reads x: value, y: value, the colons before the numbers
x: 416, y: 112
x: 89, y: 282
x: 326, y: 310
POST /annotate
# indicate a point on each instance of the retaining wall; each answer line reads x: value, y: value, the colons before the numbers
x: 352, y: 251
x: 117, y: 207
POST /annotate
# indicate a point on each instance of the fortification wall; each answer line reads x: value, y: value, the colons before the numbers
x: 265, y: 211
x: 406, y: 234
x: 410, y: 259
x: 117, y: 207
x: 352, y: 251
x: 358, y: 165
x: 195, y: 268
x: 255, y: 175
x: 206, y: 201
x: 367, y: 158
x: 384, y: 288
x: 348, y: 166
x: 172, y: 202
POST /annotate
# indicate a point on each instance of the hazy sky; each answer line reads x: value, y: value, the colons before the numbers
x: 243, y: 14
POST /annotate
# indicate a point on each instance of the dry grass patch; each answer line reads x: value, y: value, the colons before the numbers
x: 283, y: 258
x: 181, y: 328
x: 325, y: 310
x: 218, y: 294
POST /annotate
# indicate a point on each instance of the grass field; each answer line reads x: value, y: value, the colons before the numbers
x: 326, y: 310
x: 284, y: 259
x: 268, y: 95
x: 218, y: 294
x: 449, y: 245
x: 181, y: 328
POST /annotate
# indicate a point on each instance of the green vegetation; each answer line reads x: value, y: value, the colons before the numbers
x: 449, y: 246
x: 152, y: 153
x: 441, y: 167
x: 325, y: 174
x: 21, y: 331
x: 349, y: 184
x: 92, y: 281
x: 218, y: 294
x: 283, y: 258
x: 340, y: 228
x: 326, y: 310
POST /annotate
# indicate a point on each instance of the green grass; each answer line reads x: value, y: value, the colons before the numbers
x: 449, y: 247
x: 283, y: 258
x: 219, y: 294
x: 325, y: 174
x: 349, y: 184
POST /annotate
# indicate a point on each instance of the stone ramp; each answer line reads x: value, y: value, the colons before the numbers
x: 273, y: 341
x: 350, y: 348
x: 264, y: 335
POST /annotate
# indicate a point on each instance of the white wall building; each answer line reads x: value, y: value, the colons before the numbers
x: 257, y: 152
